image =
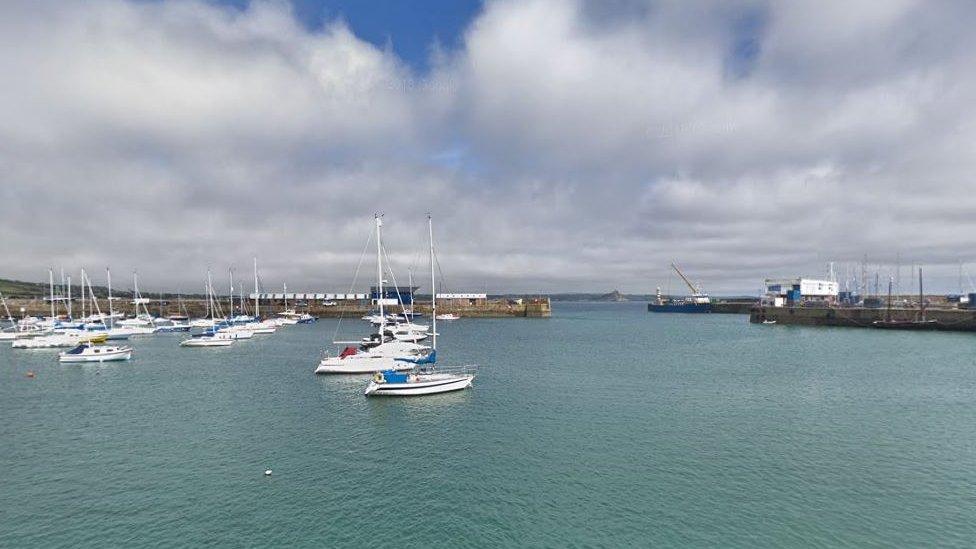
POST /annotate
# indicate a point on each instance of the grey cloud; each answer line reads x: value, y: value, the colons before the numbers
x: 566, y: 146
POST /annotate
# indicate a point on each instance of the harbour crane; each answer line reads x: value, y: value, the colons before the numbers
x: 694, y: 290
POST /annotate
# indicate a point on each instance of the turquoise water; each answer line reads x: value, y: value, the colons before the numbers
x: 602, y: 426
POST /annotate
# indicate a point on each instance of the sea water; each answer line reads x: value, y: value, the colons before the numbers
x: 601, y: 426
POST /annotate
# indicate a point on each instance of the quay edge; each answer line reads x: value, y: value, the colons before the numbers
x: 957, y: 320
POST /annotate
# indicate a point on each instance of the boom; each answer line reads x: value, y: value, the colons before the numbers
x: 691, y: 286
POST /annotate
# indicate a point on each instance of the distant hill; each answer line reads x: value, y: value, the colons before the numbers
x: 613, y: 296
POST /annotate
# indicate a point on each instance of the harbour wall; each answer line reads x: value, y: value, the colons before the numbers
x: 963, y: 320
x: 529, y: 307
x: 733, y: 307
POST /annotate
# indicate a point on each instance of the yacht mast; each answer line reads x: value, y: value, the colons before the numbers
x: 9, y: 316
x: 257, y: 307
x: 921, y: 295
x: 433, y: 288
x: 111, y: 310
x: 82, y: 293
x: 94, y: 307
x: 50, y: 276
x: 135, y: 292
x: 231, y: 314
x: 888, y: 312
x: 210, y: 293
x: 379, y: 273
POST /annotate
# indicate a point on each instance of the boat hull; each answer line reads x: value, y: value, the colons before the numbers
x: 125, y: 354
x: 365, y: 365
x: 202, y: 342
x: 679, y: 308
x: 442, y: 384
x: 907, y: 325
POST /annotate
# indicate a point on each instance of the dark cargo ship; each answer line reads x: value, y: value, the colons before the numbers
x: 697, y: 302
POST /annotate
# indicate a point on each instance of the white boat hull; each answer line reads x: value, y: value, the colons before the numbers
x: 52, y: 341
x: 236, y: 334
x: 206, y: 342
x: 424, y: 385
x: 124, y: 353
x: 363, y: 363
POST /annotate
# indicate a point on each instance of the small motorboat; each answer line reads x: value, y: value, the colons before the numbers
x: 448, y: 316
x: 88, y: 352
x: 420, y: 382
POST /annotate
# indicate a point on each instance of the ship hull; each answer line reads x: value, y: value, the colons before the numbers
x: 679, y: 308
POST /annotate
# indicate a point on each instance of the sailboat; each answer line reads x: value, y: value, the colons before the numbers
x: 212, y: 337
x: 17, y: 330
x: 918, y: 323
x: 141, y: 323
x: 424, y: 379
x: 381, y: 353
x: 98, y: 323
x: 257, y: 325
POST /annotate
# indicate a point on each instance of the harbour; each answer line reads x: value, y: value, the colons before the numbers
x: 767, y: 435
x: 487, y: 274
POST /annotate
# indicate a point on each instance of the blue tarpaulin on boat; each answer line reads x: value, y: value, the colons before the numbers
x: 391, y: 376
x: 427, y: 359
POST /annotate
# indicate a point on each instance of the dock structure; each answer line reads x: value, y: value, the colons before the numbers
x: 946, y: 319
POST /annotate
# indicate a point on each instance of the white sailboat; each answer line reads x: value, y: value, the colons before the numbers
x: 102, y: 324
x: 142, y: 323
x: 15, y: 329
x: 210, y: 338
x: 424, y: 379
x: 386, y: 354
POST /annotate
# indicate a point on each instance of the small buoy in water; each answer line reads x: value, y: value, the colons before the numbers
x: 30, y: 374
x: 267, y: 472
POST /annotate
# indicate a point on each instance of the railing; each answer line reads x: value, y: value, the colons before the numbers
x: 466, y: 370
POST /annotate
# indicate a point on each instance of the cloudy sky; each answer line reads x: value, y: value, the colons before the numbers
x: 560, y: 145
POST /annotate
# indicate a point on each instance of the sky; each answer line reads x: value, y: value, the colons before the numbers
x: 559, y: 145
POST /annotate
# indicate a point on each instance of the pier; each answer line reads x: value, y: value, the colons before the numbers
x: 955, y: 320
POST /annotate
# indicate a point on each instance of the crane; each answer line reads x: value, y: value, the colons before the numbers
x: 694, y: 290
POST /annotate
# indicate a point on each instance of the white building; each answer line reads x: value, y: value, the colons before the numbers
x: 780, y: 290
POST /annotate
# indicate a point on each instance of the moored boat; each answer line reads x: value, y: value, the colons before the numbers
x: 381, y: 351
x: 697, y: 302
x: 424, y: 379
x: 88, y: 352
x: 391, y: 383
